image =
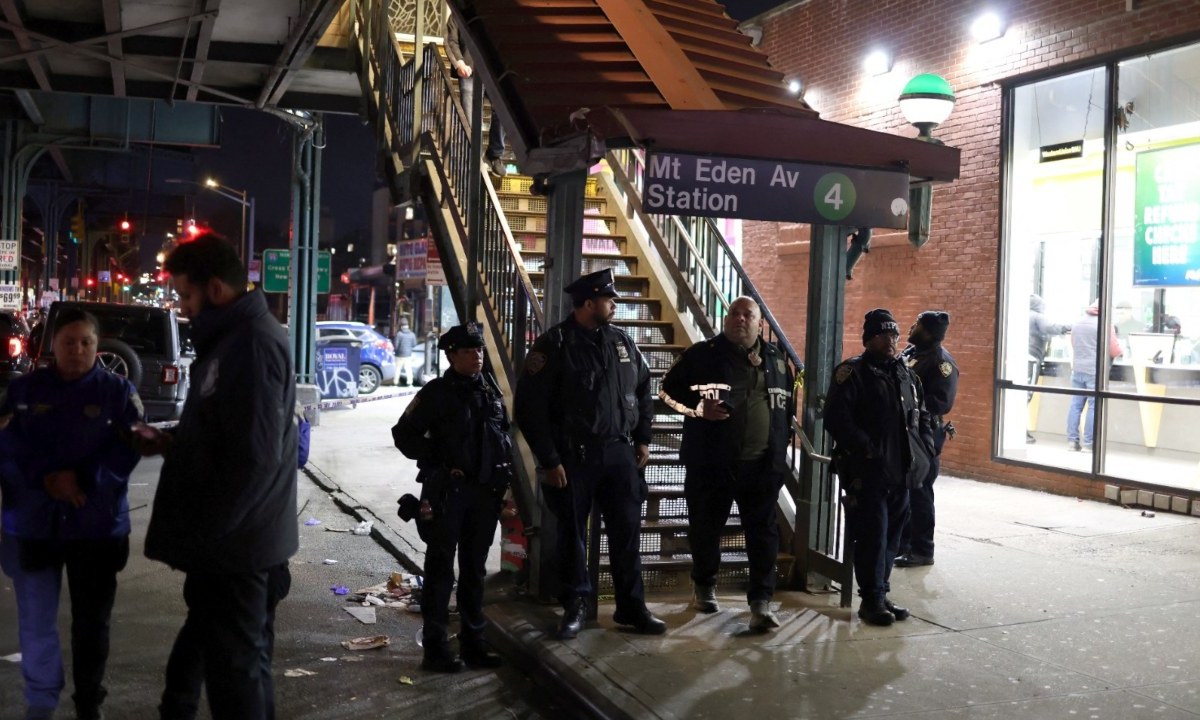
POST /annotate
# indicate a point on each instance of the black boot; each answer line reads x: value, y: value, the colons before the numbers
x: 439, y: 658
x: 642, y: 621
x: 574, y: 614
x: 477, y: 655
x: 873, y: 612
x: 901, y: 613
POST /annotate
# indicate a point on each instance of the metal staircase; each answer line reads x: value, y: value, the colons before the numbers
x: 676, y: 277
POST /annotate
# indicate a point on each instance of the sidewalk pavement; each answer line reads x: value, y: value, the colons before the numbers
x: 1039, y: 606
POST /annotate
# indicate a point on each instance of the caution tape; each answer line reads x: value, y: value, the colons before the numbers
x: 339, y: 402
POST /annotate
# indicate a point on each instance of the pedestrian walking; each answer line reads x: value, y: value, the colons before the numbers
x: 584, y: 404
x: 882, y: 448
x: 735, y: 393
x: 65, y: 461
x: 935, y: 366
x: 406, y: 340
x: 457, y: 430
x: 1084, y: 349
x: 225, y: 509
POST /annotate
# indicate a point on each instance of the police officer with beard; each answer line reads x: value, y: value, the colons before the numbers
x: 883, y: 445
x: 939, y: 378
x: 585, y: 407
x: 456, y: 428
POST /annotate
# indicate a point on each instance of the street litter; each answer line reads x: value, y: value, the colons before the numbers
x: 14, y: 658
x: 312, y: 521
x: 363, y: 528
x: 333, y: 529
x: 298, y: 672
x: 340, y: 589
x: 328, y: 659
x: 367, y: 643
x: 405, y: 680
x: 1147, y: 513
x: 401, y: 590
x: 365, y: 615
x: 329, y: 561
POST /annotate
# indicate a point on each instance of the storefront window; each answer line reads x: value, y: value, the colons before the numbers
x: 1055, y: 242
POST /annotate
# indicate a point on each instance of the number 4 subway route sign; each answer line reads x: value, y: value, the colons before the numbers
x: 725, y: 187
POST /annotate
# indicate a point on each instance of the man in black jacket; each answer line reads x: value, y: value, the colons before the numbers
x: 735, y: 392
x: 585, y: 407
x: 883, y: 444
x: 464, y: 67
x: 939, y: 379
x: 225, y: 509
x: 456, y: 428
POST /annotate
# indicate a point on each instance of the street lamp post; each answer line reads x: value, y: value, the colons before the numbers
x: 926, y: 102
x: 243, y: 198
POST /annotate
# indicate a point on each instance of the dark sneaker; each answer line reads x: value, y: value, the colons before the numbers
x: 1073, y: 445
x: 704, y: 599
x: 479, y: 656
x: 497, y: 167
x: 642, y: 621
x: 572, y: 621
x: 913, y: 560
x: 439, y: 658
x: 875, y: 613
x: 1029, y: 438
x: 900, y: 613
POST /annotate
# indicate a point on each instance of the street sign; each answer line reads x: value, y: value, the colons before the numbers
x: 8, y: 255
x: 725, y: 187
x: 104, y: 276
x: 435, y: 274
x: 277, y: 270
x: 10, y: 297
x: 254, y: 272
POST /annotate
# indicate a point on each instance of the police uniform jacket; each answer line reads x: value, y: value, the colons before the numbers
x: 876, y: 415
x: 226, y: 499
x: 706, y: 370
x: 61, y: 425
x: 457, y: 423
x: 582, y: 389
x: 939, y: 379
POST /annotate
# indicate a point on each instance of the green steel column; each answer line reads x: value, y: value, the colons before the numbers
x: 306, y: 209
x: 817, y: 505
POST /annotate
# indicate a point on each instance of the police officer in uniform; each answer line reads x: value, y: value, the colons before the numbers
x: 883, y: 446
x: 65, y: 461
x: 934, y: 364
x: 735, y: 393
x: 585, y: 406
x: 456, y: 428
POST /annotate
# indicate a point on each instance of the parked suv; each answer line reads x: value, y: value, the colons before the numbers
x: 140, y: 343
x: 377, y: 360
x: 14, y: 347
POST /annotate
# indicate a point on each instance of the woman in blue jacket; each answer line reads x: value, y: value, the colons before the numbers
x: 64, y: 478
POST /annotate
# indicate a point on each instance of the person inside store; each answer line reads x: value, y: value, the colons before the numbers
x: 1041, y: 330
x: 457, y: 430
x: 935, y: 366
x: 1084, y: 348
x: 883, y: 444
x: 735, y: 393
x: 65, y: 462
x: 584, y: 404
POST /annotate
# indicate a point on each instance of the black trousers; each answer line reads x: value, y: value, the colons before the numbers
x: 608, y: 476
x: 710, y: 491
x: 465, y: 515
x: 228, y: 639
x: 185, y: 666
x: 876, y: 515
x: 918, y: 531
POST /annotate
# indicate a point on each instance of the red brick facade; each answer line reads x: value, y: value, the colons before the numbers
x: 825, y: 41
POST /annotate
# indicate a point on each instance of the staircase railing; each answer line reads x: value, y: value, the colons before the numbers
x: 709, y: 277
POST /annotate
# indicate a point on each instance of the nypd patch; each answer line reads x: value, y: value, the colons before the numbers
x: 535, y: 362
x: 843, y: 373
x: 946, y: 368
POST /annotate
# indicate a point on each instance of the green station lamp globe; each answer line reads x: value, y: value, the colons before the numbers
x: 926, y: 102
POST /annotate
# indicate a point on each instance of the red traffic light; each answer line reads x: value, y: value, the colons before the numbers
x: 125, y: 226
x: 90, y: 282
x: 192, y: 229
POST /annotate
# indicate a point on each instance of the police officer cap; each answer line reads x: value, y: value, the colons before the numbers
x: 593, y: 285
x: 935, y: 323
x: 878, y: 322
x: 461, y: 336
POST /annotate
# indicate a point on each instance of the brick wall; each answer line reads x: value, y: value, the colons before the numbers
x: 825, y: 42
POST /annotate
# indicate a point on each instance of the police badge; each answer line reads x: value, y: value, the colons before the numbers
x: 843, y: 373
x: 946, y: 368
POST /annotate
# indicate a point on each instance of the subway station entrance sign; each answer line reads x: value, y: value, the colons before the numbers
x: 726, y: 187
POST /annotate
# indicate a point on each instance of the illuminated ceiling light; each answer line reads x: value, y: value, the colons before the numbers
x: 877, y: 62
x: 795, y: 85
x: 987, y: 26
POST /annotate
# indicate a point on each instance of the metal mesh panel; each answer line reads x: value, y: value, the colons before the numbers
x: 658, y: 359
x: 619, y: 266
x: 603, y: 245
x: 403, y: 14
x: 634, y: 311
x: 653, y: 335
